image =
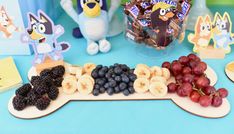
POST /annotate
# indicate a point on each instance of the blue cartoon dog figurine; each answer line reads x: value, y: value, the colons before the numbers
x: 42, y: 34
x: 222, y: 35
x: 93, y: 20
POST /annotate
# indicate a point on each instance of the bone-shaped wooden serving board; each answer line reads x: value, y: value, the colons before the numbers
x: 184, y: 103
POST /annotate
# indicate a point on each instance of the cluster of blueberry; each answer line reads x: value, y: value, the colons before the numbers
x: 41, y: 90
x: 113, y: 80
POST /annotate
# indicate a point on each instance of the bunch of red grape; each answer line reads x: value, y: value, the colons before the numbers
x: 191, y: 81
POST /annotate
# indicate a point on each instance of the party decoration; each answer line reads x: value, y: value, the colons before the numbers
x: 219, y: 31
x: 42, y: 34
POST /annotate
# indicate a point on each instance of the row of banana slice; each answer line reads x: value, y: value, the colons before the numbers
x: 79, y: 79
x: 151, y: 79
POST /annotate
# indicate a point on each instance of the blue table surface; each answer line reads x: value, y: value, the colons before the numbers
x: 117, y: 117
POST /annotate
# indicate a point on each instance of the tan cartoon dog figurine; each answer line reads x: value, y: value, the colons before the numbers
x: 6, y: 24
x: 202, y: 35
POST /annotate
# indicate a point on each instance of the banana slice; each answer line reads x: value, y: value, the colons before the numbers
x: 141, y: 85
x: 79, y: 72
x: 142, y: 71
x: 85, y: 85
x: 158, y: 79
x: 89, y: 67
x: 166, y: 73
x: 72, y: 69
x: 158, y: 89
x: 89, y: 77
x: 69, y: 84
x: 156, y: 71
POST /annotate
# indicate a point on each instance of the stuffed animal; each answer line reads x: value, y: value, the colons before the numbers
x: 93, y: 20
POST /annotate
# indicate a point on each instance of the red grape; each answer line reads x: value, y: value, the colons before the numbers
x: 183, y: 60
x: 192, y: 64
x: 192, y: 56
x: 172, y: 87
x: 198, y: 70
x: 186, y: 70
x: 185, y: 89
x: 188, y: 78
x: 209, y: 90
x: 179, y: 78
x: 217, y: 101
x: 166, y: 65
x: 195, y: 96
x: 223, y: 92
x: 205, y: 101
x: 202, y: 82
x: 176, y: 68
x: 202, y: 65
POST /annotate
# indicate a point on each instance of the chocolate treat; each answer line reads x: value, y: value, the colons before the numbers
x: 156, y: 22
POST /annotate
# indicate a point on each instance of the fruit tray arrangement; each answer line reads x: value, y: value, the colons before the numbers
x: 188, y: 82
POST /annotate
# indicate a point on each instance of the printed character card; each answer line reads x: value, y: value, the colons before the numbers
x: 11, y: 28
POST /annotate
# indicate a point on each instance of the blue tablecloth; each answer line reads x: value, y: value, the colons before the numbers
x: 117, y: 117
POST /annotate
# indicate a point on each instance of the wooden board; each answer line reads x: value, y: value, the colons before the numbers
x: 211, y: 53
x: 184, y: 103
x: 229, y: 73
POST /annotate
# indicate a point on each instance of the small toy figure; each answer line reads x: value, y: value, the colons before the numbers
x: 201, y: 37
x: 93, y: 20
x: 6, y: 24
x: 222, y: 35
x: 42, y: 34
x: 161, y: 15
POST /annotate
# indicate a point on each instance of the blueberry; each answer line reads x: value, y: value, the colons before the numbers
x: 96, y: 86
x: 125, y: 79
x: 101, y: 82
x: 130, y: 84
x: 111, y: 71
x: 131, y: 90
x: 96, y: 92
x: 118, y: 70
x: 106, y: 86
x: 98, y: 67
x: 122, y: 86
x: 108, y: 75
x: 102, y: 90
x: 94, y: 74
x: 132, y: 77
x: 105, y: 69
x: 112, y: 83
x: 131, y: 71
x: 110, y: 79
x: 125, y: 67
x: 126, y: 92
x: 116, y: 64
x: 101, y: 73
x: 118, y: 79
x: 113, y: 75
x: 110, y: 91
x: 117, y: 90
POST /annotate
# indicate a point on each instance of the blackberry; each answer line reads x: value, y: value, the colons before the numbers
x: 41, y: 89
x: 58, y: 71
x: 19, y: 103
x: 32, y: 98
x: 53, y: 93
x: 48, y: 80
x: 42, y: 103
x: 36, y: 80
x: 58, y: 81
x: 46, y: 72
x: 23, y: 91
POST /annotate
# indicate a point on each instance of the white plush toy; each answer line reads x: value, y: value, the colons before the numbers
x: 93, y: 20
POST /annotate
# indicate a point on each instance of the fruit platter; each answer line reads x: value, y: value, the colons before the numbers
x: 187, y: 81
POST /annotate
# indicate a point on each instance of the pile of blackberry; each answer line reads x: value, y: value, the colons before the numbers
x: 113, y: 80
x: 41, y: 91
